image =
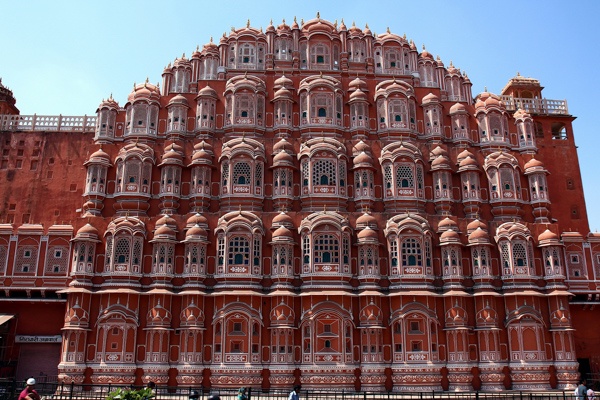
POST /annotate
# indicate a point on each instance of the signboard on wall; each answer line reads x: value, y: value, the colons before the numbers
x: 38, y: 339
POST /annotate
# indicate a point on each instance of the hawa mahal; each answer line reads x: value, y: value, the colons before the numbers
x: 310, y: 204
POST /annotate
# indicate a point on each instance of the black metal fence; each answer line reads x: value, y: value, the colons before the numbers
x: 9, y: 390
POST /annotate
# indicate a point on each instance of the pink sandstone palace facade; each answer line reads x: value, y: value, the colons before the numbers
x: 312, y: 204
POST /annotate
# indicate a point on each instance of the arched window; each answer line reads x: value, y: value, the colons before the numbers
x: 239, y: 251
x: 320, y: 56
x: 411, y: 252
x: 326, y: 249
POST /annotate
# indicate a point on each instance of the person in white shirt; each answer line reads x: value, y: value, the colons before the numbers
x: 295, y: 394
x: 591, y: 395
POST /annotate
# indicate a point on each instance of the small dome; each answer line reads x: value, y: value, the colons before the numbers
x: 164, y: 232
x: 282, y: 315
x: 181, y: 62
x: 534, y: 163
x: 197, y: 219
x: 87, y: 232
x: 108, y: 103
x: 426, y: 55
x: 487, y: 100
x: 479, y: 236
x: 547, y: 235
x: 458, y: 108
x: 440, y: 162
x: 367, y: 31
x: 450, y: 236
x: 202, y: 155
x: 282, y: 145
x: 367, y: 233
x: 446, y: 224
x: 192, y: 315
x: 521, y: 114
x: 476, y: 224
x: 203, y: 146
x: 144, y: 91
x: 172, y: 155
x: 283, y: 158
x: 158, y: 315
x: 464, y: 154
x: 467, y: 162
x: 178, y: 100
x: 366, y: 220
x: 357, y: 83
x: 371, y: 315
x: 282, y: 232
x: 363, y: 159
x: 439, y: 151
x: 358, y: 94
x: 360, y: 147
x: 207, y: 91
x: 196, y: 231
x: 430, y: 98
x: 99, y: 155
x: 166, y: 220
x: 283, y: 82
x: 77, y: 316
x: 282, y: 219
x: 283, y: 92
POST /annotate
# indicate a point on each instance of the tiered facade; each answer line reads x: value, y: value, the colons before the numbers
x: 311, y: 204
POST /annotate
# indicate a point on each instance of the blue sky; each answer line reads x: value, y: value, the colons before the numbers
x: 64, y: 57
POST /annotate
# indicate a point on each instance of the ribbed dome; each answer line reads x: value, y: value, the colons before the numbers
x: 144, y: 91
x: 108, y: 103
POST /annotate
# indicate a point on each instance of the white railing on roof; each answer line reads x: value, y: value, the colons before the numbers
x: 536, y: 106
x: 62, y: 123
